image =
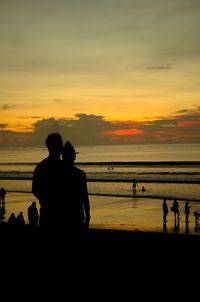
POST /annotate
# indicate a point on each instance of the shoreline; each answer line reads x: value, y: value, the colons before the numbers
x: 131, y: 214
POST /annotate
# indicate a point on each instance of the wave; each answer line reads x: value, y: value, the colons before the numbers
x: 173, y: 177
x: 116, y: 163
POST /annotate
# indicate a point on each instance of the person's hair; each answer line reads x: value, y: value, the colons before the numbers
x: 69, y: 148
x: 69, y: 153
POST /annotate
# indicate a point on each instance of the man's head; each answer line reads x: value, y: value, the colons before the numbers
x: 54, y: 144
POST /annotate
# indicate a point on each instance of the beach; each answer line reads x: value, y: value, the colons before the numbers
x: 119, y: 213
x: 125, y: 230
x: 126, y: 243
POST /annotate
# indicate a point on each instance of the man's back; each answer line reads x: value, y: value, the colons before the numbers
x: 47, y: 180
x: 46, y: 187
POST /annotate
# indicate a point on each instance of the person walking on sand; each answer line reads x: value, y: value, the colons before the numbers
x: 175, y: 209
x: 46, y: 183
x: 77, y: 205
x: 187, y: 211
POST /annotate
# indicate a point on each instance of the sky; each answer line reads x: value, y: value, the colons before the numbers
x: 100, y: 72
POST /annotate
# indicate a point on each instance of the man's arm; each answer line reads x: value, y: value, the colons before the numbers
x: 86, y: 202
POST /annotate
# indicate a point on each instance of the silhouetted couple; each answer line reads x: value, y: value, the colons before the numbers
x: 61, y: 189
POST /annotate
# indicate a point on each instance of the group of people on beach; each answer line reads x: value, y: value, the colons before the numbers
x: 16, y: 220
x: 61, y: 189
x: 135, y: 185
x: 33, y: 216
x: 175, y: 209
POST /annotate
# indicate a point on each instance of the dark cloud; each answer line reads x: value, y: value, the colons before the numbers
x: 31, y: 117
x: 7, y: 107
x: 160, y: 67
x: 2, y: 126
x: 11, y: 138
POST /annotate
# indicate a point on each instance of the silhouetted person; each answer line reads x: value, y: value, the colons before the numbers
x: 77, y: 206
x: 134, y: 186
x: 33, y: 215
x: 12, y: 220
x: 165, y: 209
x: 2, y: 196
x: 46, y: 185
x: 2, y: 211
x: 197, y: 218
x: 187, y: 211
x: 2, y: 202
x: 175, y: 209
x: 20, y: 219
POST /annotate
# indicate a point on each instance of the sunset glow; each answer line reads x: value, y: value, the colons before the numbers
x: 123, y: 132
x: 123, y: 71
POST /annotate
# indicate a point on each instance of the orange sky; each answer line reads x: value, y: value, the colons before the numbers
x: 126, y: 61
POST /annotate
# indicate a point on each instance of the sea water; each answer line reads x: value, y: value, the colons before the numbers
x: 166, y: 170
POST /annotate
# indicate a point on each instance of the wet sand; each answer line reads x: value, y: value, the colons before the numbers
x: 133, y: 214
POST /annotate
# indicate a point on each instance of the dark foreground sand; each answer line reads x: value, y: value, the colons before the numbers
x: 101, y: 242
x: 135, y: 263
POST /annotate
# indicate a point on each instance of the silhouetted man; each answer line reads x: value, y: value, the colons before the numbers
x: 47, y: 180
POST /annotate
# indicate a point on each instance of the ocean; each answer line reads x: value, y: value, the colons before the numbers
x: 165, y: 171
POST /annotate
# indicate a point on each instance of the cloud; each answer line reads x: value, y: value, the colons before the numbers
x: 182, y: 126
x: 11, y: 138
x: 2, y: 126
x: 160, y: 67
x: 7, y: 107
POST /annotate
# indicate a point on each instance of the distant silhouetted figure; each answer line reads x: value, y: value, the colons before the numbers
x: 47, y: 181
x: 165, y: 209
x: 20, y: 219
x: 134, y: 186
x: 12, y: 220
x: 2, y: 202
x: 77, y: 206
x: 175, y: 209
x: 197, y: 219
x: 2, y: 211
x: 2, y: 196
x: 33, y: 215
x: 187, y: 211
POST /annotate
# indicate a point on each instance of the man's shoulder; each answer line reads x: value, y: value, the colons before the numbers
x: 79, y: 171
x: 42, y: 164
